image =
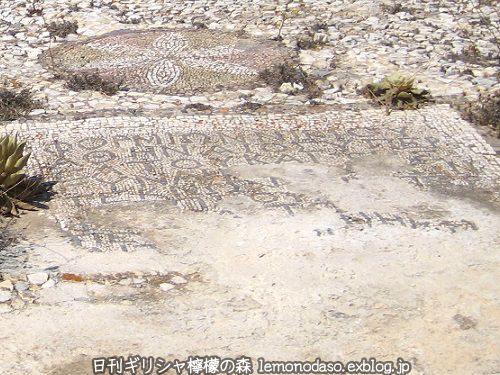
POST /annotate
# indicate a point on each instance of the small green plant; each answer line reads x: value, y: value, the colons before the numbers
x: 95, y: 82
x: 279, y: 37
x: 290, y: 73
x: 16, y: 189
x: 62, y: 28
x: 484, y: 112
x: 313, y: 37
x: 249, y: 107
x: 311, y: 40
x: 197, y: 107
x: 35, y: 9
x: 15, y: 104
x: 392, y: 8
x: 469, y: 55
x: 397, y: 92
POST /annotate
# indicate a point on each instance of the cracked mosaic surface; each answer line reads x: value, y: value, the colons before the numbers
x: 186, y: 160
x: 170, y: 61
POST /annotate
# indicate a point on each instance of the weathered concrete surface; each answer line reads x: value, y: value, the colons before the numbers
x: 388, y: 269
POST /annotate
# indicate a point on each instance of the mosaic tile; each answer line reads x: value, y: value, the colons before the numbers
x: 170, y: 61
x: 185, y: 160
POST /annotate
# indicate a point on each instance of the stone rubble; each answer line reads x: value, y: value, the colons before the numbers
x: 450, y: 46
x: 18, y: 290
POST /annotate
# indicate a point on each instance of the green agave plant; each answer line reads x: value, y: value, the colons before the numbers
x: 398, y: 91
x: 14, y: 186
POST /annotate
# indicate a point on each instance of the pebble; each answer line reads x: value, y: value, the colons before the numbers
x: 263, y: 95
x: 485, y: 82
x: 21, y: 286
x: 125, y: 282
x: 38, y: 278
x: 5, y: 296
x: 178, y: 280
x: 33, y: 53
x: 5, y: 309
x: 26, y: 21
x: 291, y: 88
x: 166, y: 287
x: 287, y: 88
x: 307, y: 58
x: 490, y: 71
x: 6, y: 285
x: 36, y: 112
x: 48, y: 284
x: 151, y: 106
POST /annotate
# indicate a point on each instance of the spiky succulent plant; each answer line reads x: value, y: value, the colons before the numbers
x: 12, y: 161
x: 397, y: 91
x: 13, y: 182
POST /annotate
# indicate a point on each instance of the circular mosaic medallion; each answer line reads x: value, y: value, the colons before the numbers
x: 170, y: 61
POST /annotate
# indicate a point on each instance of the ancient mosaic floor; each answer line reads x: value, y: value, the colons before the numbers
x: 187, y: 159
x: 167, y: 61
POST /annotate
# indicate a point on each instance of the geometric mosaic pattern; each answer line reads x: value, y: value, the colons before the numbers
x: 184, y: 160
x: 173, y: 61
